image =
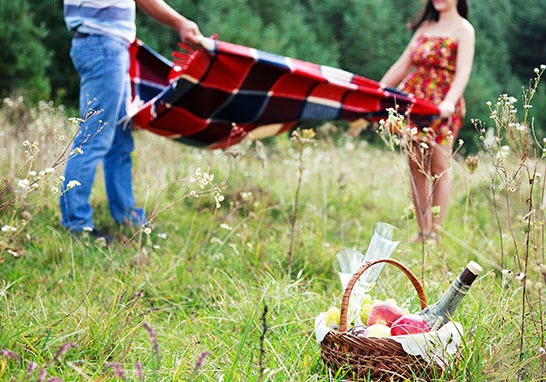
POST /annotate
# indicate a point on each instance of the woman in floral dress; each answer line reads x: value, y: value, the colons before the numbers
x: 435, y: 66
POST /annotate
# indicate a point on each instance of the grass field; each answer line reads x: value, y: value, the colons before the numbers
x: 227, y: 284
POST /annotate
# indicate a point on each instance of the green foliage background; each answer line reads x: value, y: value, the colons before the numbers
x: 362, y: 36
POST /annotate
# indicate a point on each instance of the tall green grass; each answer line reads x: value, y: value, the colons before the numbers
x: 230, y: 293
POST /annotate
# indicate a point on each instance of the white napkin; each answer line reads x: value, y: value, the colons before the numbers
x: 321, y: 329
x: 437, y: 346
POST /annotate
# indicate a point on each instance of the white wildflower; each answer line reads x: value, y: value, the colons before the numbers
x: 22, y: 183
x: 216, y: 240
x: 76, y: 151
x: 75, y: 121
x: 246, y: 196
x: 504, y: 152
x: 72, y: 184
x: 8, y: 228
x: 217, y: 256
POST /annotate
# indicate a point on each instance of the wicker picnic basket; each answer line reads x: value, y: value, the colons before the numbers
x: 373, y: 359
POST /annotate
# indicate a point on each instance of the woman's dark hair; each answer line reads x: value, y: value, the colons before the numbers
x: 429, y: 13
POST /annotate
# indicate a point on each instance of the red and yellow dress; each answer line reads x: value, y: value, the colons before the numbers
x: 434, y: 60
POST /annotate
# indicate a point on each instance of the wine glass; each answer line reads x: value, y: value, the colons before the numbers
x: 382, y: 244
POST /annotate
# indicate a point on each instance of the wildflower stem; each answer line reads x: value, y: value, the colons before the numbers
x: 262, y: 340
x: 301, y: 137
x: 497, y: 218
x: 295, y: 211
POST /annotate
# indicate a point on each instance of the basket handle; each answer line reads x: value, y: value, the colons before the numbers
x: 350, y: 285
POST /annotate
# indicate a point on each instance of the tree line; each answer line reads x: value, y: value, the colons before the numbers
x: 361, y: 36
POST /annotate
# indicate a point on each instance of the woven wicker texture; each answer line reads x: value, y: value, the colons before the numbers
x: 375, y: 359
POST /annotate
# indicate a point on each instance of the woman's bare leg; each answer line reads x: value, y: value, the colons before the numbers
x: 419, y: 165
x: 440, y: 157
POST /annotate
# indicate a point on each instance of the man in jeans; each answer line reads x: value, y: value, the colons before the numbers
x: 103, y: 31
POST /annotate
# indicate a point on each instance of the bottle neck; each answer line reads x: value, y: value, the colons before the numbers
x: 467, y: 277
x: 444, y: 308
x: 438, y: 314
x: 457, y: 290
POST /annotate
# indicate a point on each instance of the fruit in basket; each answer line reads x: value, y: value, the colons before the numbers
x: 377, y: 331
x: 409, y: 324
x: 392, y: 301
x: 367, y: 299
x: 332, y: 317
x: 365, y: 311
x: 384, y: 313
x: 366, y: 306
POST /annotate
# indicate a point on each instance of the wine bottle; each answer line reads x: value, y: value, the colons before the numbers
x: 438, y: 314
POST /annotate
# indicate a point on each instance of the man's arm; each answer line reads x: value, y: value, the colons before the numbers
x: 162, y: 12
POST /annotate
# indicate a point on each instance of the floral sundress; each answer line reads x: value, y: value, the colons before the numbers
x: 434, y: 60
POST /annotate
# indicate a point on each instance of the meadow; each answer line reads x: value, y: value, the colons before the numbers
x: 226, y: 282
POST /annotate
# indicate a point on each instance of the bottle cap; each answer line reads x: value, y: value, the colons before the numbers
x: 474, y: 267
x: 470, y: 273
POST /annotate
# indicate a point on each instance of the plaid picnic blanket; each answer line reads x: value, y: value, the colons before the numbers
x: 217, y: 95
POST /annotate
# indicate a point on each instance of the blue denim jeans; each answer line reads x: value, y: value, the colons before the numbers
x: 102, y: 63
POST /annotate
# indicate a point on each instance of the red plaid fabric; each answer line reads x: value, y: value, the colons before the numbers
x: 216, y: 96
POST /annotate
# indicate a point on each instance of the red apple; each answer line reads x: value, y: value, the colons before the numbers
x: 409, y: 324
x: 384, y: 313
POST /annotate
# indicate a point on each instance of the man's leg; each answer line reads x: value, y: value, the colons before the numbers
x: 102, y: 65
x: 118, y: 174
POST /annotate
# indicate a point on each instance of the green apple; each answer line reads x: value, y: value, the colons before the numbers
x: 332, y: 317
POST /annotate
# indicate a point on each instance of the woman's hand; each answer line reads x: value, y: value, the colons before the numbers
x: 447, y: 108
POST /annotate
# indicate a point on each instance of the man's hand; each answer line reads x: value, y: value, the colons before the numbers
x: 159, y: 10
x: 190, y: 34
